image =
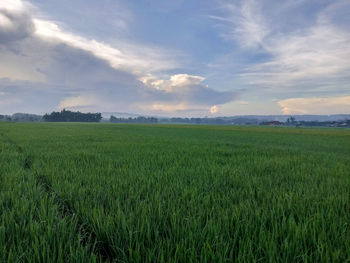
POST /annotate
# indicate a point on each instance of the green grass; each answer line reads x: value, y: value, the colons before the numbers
x: 162, y: 193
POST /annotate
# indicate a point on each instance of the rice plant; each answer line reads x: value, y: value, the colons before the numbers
x: 162, y: 193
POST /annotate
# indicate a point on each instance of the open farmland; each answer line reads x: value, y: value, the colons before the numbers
x: 161, y: 193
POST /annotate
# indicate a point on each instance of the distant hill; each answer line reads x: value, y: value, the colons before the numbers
x: 234, y: 120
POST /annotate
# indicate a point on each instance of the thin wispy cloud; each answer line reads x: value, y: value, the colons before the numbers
x: 245, y: 23
x: 320, y: 51
x: 296, y: 59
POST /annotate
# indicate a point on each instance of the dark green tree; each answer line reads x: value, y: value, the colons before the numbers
x: 70, y: 116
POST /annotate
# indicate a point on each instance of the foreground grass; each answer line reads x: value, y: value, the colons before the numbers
x: 160, y: 193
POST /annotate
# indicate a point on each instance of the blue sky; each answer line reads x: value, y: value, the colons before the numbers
x: 175, y: 58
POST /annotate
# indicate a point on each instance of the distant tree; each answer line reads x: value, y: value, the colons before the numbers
x: 70, y: 116
x: 291, y: 121
x: 133, y: 120
x: 26, y: 117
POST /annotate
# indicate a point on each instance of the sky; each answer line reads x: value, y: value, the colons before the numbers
x: 191, y: 58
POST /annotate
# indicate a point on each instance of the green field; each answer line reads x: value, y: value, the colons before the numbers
x: 162, y: 193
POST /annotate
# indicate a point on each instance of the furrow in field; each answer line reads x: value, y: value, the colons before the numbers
x: 89, y: 238
x: 30, y: 230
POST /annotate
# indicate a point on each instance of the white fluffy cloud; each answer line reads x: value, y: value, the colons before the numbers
x: 214, y: 109
x: 188, y: 90
x: 175, y: 82
x: 185, y: 80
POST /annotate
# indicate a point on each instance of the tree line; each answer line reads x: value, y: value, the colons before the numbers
x: 71, y: 116
x: 140, y: 119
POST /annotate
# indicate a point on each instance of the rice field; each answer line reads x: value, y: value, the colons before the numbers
x: 173, y: 193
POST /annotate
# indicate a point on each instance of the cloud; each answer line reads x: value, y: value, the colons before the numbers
x: 245, y: 23
x: 47, y: 68
x: 5, y: 102
x: 185, y: 80
x: 18, y: 21
x: 171, y: 107
x: 321, y: 51
x: 214, y: 109
x: 182, y: 109
x: 13, y: 5
x: 296, y: 51
x: 175, y: 82
x: 14, y: 25
x: 331, y: 105
x: 148, y: 61
x: 78, y: 102
x: 183, y: 92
